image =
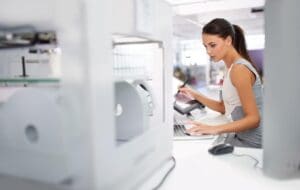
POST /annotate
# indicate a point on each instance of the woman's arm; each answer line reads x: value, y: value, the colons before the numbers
x: 212, y: 104
x: 243, y: 79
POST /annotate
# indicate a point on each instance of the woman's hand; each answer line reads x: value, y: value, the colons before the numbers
x: 188, y: 92
x: 200, y: 128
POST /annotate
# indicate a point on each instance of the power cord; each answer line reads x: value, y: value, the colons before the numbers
x: 247, y: 155
x: 166, y: 175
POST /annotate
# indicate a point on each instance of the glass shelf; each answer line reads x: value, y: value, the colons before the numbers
x: 29, y: 80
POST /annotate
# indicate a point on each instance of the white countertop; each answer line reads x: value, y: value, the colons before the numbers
x: 197, y: 169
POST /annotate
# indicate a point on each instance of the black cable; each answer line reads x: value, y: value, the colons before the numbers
x: 166, y: 175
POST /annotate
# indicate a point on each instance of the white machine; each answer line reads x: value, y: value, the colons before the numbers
x: 64, y: 121
x: 281, y: 101
x: 134, y: 109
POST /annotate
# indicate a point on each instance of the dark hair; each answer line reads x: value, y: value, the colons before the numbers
x: 223, y: 29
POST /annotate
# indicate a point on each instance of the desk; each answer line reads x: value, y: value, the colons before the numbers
x: 197, y: 169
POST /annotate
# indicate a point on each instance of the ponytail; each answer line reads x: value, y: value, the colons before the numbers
x: 241, y: 47
x: 239, y: 42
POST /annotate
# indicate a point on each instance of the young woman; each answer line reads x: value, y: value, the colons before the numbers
x: 241, y: 90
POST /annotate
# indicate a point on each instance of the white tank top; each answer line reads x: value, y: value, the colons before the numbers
x: 229, y: 93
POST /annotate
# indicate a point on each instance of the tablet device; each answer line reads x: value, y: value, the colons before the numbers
x: 188, y: 106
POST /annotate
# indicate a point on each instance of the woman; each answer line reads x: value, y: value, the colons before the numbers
x: 241, y: 90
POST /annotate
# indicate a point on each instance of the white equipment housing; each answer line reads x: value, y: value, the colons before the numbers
x: 59, y: 129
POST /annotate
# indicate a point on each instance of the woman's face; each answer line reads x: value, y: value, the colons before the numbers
x: 216, y: 47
